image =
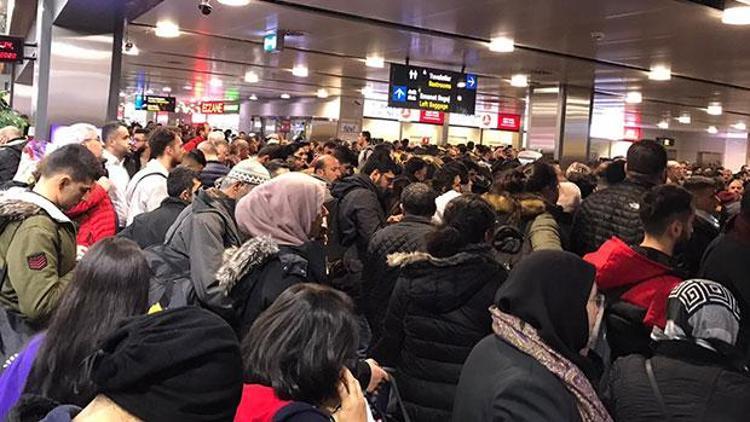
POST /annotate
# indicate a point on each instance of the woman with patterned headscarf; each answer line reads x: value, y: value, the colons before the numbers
x: 696, y: 374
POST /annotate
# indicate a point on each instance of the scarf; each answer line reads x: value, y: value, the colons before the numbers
x: 524, y: 337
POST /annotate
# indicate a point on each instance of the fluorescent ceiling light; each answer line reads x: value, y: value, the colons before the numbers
x: 72, y: 51
x: 740, y: 126
x: 167, y: 29
x: 736, y: 15
x: 322, y: 93
x: 633, y: 97
x: 235, y: 2
x: 714, y: 109
x: 684, y: 119
x: 166, y: 89
x: 123, y: 95
x: 519, y: 81
x: 216, y: 82
x: 375, y: 61
x: 253, y: 97
x: 712, y: 130
x: 660, y: 73
x: 300, y: 71
x: 187, y: 88
x: 663, y: 124
x: 502, y: 45
x: 286, y: 96
x: 251, y: 77
x: 547, y: 90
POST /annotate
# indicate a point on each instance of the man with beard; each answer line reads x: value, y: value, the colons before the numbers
x: 637, y: 279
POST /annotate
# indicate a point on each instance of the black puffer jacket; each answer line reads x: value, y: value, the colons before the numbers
x: 437, y: 313
x: 213, y: 171
x: 10, y: 157
x: 611, y: 212
x: 378, y: 278
x: 696, y: 383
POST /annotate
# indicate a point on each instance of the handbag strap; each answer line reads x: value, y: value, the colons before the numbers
x: 655, y: 389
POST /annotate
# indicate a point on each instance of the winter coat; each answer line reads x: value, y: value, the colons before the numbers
x: 610, y: 212
x: 637, y: 289
x: 213, y: 171
x: 501, y: 383
x: 192, y: 252
x: 696, y: 383
x: 437, y: 313
x: 704, y: 232
x: 378, y: 278
x: 95, y: 215
x: 542, y: 230
x: 37, y: 254
x: 359, y: 214
x: 256, y: 273
x: 151, y: 228
x: 10, y: 157
x: 261, y: 404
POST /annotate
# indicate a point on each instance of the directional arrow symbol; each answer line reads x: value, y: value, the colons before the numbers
x: 413, y: 74
x: 400, y: 93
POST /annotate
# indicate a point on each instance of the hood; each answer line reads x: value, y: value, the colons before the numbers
x: 19, y: 203
x: 239, y: 261
x: 446, y: 284
x: 617, y: 265
x: 343, y: 187
x: 531, y: 206
x: 213, y: 199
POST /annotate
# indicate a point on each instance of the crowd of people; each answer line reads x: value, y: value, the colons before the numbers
x: 189, y: 274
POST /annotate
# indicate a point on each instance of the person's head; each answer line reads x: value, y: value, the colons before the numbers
x: 704, y: 193
x: 418, y: 199
x: 328, y: 168
x: 210, y: 148
x: 726, y: 175
x: 301, y: 343
x: 614, y: 172
x: 194, y: 160
x: 270, y: 152
x: 555, y: 293
x: 182, y: 364
x: 382, y: 170
x: 703, y: 312
x: 222, y: 150
x: 467, y: 220
x: 201, y: 131
x: 110, y: 284
x: 166, y: 146
x: 182, y: 183
x: 9, y: 133
x: 537, y: 178
x: 243, y: 148
x: 289, y: 209
x: 675, y: 172
x: 116, y: 138
x: 647, y: 159
x: 329, y: 147
x: 346, y: 158
x: 243, y: 177
x: 364, y: 138
x: 95, y: 147
x: 278, y: 167
x: 140, y: 140
x: 297, y: 156
x: 451, y: 176
x: 417, y: 168
x: 737, y: 187
x: 667, y: 215
x: 67, y: 175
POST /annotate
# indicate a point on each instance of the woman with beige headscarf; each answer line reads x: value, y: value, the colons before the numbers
x: 283, y: 219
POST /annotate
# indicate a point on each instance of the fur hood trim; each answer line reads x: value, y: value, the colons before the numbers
x: 18, y: 204
x: 532, y: 206
x: 402, y: 259
x: 239, y: 261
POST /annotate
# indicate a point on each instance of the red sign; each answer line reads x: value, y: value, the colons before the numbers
x: 11, y: 49
x: 432, y: 117
x: 212, y: 107
x: 510, y: 122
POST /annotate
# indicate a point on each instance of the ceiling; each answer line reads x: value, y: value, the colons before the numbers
x: 605, y: 44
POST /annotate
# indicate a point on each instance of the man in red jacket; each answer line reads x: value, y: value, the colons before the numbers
x: 637, y: 279
x: 199, y: 139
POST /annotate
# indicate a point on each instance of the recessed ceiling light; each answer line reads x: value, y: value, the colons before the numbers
x: 235, y: 2
x: 740, y: 126
x: 149, y: 91
x: 131, y: 51
x: 166, y: 89
x: 663, y: 124
x: 375, y: 61
x: 502, y: 45
x: 714, y: 109
x: 251, y: 77
x: 300, y: 71
x: 633, y: 97
x: 216, y: 82
x: 736, y: 15
x: 519, y: 81
x: 712, y: 130
x: 188, y: 87
x: 253, y: 97
x: 660, y: 73
x: 123, y: 95
x: 322, y: 93
x: 286, y: 96
x: 684, y: 119
x: 167, y: 29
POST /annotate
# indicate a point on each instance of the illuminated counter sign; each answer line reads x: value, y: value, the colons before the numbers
x: 11, y: 49
x: 220, y: 107
x: 432, y: 89
x: 156, y: 103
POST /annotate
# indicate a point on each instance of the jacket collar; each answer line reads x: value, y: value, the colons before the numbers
x: 691, y: 352
x: 239, y: 261
x: 409, y: 218
x: 18, y: 196
x: 401, y: 259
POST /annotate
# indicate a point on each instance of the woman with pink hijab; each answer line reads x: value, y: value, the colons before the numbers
x: 283, y: 218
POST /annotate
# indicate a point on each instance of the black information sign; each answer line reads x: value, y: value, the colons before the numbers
x: 156, y: 103
x: 11, y: 49
x: 432, y: 89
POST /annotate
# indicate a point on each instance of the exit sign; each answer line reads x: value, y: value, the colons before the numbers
x: 273, y: 42
x: 11, y: 49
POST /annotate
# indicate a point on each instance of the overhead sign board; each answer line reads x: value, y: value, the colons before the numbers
x: 509, y: 122
x: 432, y: 89
x: 155, y: 103
x: 11, y: 49
x: 220, y: 107
x: 273, y: 42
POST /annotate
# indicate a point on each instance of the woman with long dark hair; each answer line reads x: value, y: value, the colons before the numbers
x: 110, y: 284
x: 438, y: 309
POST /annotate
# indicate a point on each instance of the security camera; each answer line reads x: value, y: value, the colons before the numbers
x: 128, y: 45
x: 205, y: 7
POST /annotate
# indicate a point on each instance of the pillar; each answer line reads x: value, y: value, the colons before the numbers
x: 350, y: 118
x: 40, y: 93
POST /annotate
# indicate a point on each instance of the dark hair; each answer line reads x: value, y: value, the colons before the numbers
x: 300, y: 344
x: 381, y: 163
x: 443, y: 179
x: 140, y: 131
x: 466, y: 221
x: 180, y: 180
x: 614, y: 173
x: 276, y: 164
x: 366, y: 135
x: 198, y: 156
x: 419, y: 199
x: 413, y: 165
x: 699, y: 183
x: 109, y: 284
x: 662, y: 205
x: 647, y: 157
x: 159, y: 140
x: 745, y: 205
x: 531, y: 178
x: 75, y: 161
x: 110, y: 128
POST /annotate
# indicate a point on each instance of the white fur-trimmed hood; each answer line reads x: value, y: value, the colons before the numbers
x: 238, y: 261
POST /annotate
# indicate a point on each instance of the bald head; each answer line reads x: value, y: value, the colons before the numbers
x: 328, y: 168
x: 9, y: 133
